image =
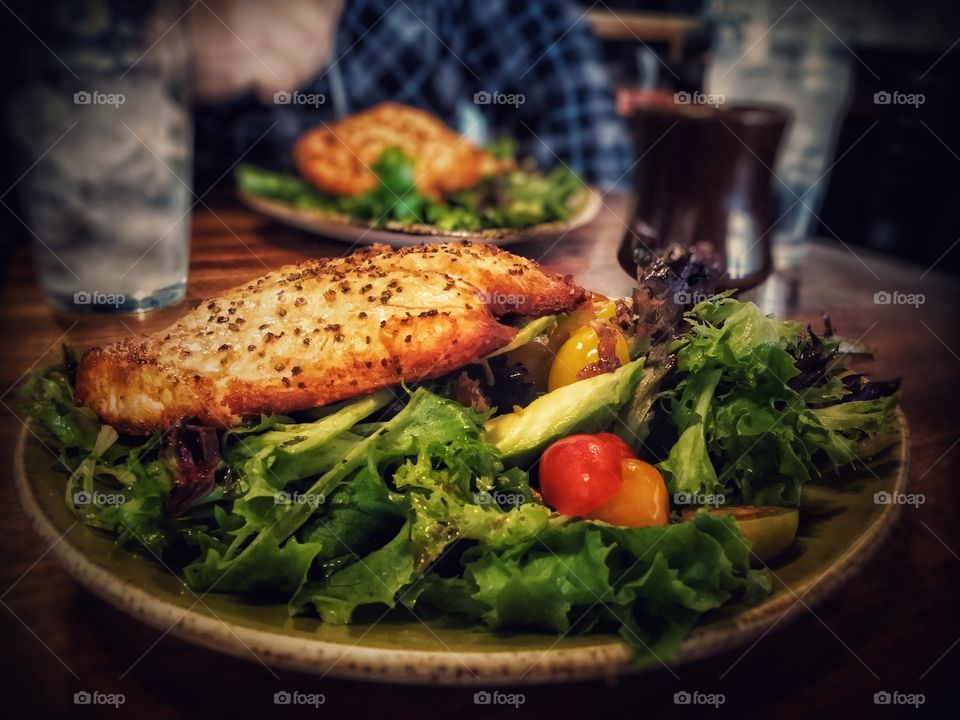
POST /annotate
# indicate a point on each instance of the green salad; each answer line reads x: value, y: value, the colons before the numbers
x: 438, y: 499
x: 514, y: 199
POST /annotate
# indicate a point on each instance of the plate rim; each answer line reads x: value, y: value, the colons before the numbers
x: 342, y: 228
x: 605, y: 659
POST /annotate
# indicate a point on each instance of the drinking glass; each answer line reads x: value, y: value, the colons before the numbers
x: 102, y: 124
x: 796, y: 61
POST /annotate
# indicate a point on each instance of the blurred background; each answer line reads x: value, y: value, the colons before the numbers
x: 867, y: 81
x: 865, y: 155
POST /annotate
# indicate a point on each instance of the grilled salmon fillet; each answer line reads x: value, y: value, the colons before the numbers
x: 337, y: 157
x: 310, y: 334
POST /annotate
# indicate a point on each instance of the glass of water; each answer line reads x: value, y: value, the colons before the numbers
x: 102, y: 124
x: 798, y: 62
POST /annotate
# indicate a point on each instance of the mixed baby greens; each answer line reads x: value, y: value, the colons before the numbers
x: 514, y: 199
x: 386, y: 504
x: 758, y: 403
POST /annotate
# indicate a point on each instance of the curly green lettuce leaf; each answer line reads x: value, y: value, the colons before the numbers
x: 117, y: 485
x: 428, y: 426
x: 651, y: 584
x: 344, y: 513
x: 47, y: 397
x: 748, y: 421
x: 688, y: 466
x: 438, y: 480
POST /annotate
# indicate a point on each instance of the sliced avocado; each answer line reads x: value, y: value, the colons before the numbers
x: 586, y: 406
x: 528, y: 332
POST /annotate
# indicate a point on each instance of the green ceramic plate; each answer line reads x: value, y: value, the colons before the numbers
x: 360, y: 232
x: 840, y: 526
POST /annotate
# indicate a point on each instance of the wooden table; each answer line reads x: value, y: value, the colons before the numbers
x: 894, y: 627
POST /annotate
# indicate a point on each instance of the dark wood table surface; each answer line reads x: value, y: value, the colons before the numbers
x: 894, y: 627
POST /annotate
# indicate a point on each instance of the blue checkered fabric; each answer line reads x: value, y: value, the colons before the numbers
x: 471, y: 63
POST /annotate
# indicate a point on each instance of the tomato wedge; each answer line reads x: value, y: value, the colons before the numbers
x: 581, y: 472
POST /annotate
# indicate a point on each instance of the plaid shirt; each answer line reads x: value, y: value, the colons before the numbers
x: 499, y: 68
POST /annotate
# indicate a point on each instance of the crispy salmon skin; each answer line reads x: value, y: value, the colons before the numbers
x: 308, y: 335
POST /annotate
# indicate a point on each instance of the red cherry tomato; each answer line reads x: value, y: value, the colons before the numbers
x: 581, y: 472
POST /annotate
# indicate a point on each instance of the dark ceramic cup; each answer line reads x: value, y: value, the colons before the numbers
x: 704, y: 175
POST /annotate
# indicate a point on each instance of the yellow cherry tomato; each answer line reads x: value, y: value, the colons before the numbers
x: 605, y: 310
x: 642, y: 500
x: 579, y: 351
x: 597, y: 308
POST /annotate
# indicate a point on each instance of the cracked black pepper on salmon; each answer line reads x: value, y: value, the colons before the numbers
x: 429, y: 310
